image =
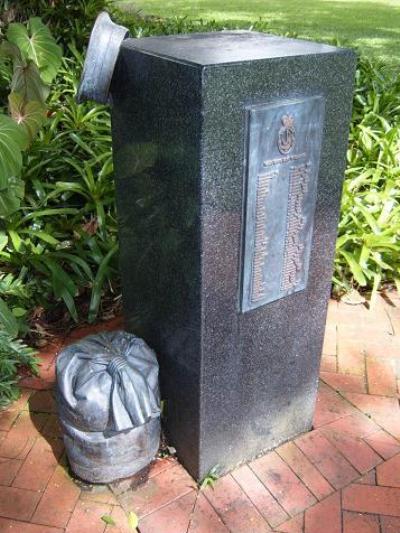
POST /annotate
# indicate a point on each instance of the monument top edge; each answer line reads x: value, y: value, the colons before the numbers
x: 227, y: 46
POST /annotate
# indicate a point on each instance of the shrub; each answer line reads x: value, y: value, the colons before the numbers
x: 368, y: 247
x: 14, y: 354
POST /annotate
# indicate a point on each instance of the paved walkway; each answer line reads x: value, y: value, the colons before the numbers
x: 342, y: 477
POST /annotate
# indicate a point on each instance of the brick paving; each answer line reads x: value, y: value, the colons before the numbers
x: 341, y: 477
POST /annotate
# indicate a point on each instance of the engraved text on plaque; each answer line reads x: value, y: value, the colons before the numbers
x: 284, y: 142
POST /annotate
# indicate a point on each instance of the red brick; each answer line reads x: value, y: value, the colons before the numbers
x: 7, y: 419
x: 205, y: 519
x: 18, y: 503
x: 383, y: 443
x: 45, y: 381
x: 295, y: 525
x: 234, y: 507
x: 373, y: 500
x: 8, y: 470
x: 368, y: 479
x: 384, y: 411
x: 86, y: 518
x: 282, y: 483
x: 344, y: 382
x: 187, y: 514
x: 388, y: 474
x: 326, y: 514
x: 390, y: 524
x: 260, y: 496
x: 39, y: 383
x: 159, y: 465
x: 9, y: 415
x: 386, y: 347
x: 334, y: 467
x: 48, y: 353
x: 22, y: 435
x: 100, y: 494
x: 330, y: 341
x: 356, y: 425
x: 58, y: 500
x: 356, y: 451
x: 39, y: 465
x: 358, y: 523
x: 121, y: 521
x: 328, y: 363
x: 395, y: 321
x: 381, y: 377
x: 80, y: 332
x: 158, y: 491
x: 42, y: 402
x: 330, y: 406
x: 377, y: 327
x: 172, y: 518
x: 333, y: 312
x: 350, y: 358
x: 348, y: 313
x: 305, y: 470
x: 15, y: 526
x: 52, y: 428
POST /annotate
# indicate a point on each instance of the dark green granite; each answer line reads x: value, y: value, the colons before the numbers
x: 236, y: 383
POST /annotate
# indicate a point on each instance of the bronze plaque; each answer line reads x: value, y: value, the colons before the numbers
x: 283, y: 149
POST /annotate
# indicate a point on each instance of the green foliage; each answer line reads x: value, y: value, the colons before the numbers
x: 107, y: 519
x: 210, y: 478
x: 13, y: 355
x: 133, y: 520
x: 368, y: 247
x: 65, y: 234
x: 35, y: 58
x: 70, y: 21
x: 37, y: 45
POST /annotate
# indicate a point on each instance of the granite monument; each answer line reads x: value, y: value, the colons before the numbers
x: 229, y: 152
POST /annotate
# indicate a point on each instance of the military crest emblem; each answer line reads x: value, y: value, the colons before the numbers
x: 287, y: 134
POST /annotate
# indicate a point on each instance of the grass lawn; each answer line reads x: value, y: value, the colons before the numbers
x: 371, y: 25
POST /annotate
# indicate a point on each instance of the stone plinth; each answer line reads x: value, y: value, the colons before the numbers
x: 229, y: 154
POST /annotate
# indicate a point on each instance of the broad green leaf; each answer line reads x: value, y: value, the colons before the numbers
x: 61, y: 280
x: 364, y: 256
x: 46, y: 237
x: 342, y: 240
x: 19, y: 312
x: 49, y: 213
x: 13, y: 140
x: 27, y: 82
x: 8, y: 49
x: 77, y: 260
x: 7, y: 319
x: 355, y: 268
x: 133, y: 520
x: 108, y: 519
x: 377, y: 281
x: 36, y: 43
x: 3, y: 240
x: 31, y: 115
x: 10, y: 198
x: 16, y: 240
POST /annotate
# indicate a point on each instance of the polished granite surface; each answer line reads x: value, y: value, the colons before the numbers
x: 235, y: 383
